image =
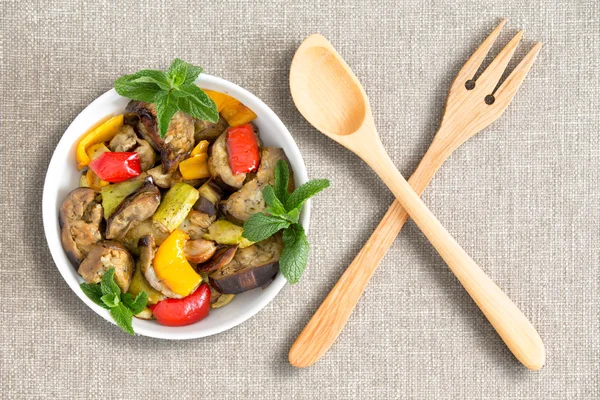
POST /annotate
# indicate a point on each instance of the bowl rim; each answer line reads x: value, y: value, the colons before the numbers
x: 50, y: 215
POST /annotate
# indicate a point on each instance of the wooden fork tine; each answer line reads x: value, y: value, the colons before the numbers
x: 492, y: 74
x: 509, y: 87
x: 472, y: 65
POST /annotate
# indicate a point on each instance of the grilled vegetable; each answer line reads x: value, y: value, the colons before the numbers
x: 100, y: 134
x: 79, y: 218
x: 140, y: 284
x: 210, y: 195
x: 206, y: 130
x: 131, y: 240
x: 199, y: 250
x: 251, y: 267
x: 232, y: 110
x: 186, y: 311
x: 218, y: 165
x: 222, y: 257
x: 146, y: 313
x: 135, y: 208
x: 126, y: 140
x: 172, y: 268
x: 103, y: 256
x: 117, y: 167
x: 92, y: 179
x: 175, y: 206
x: 146, y: 246
x: 223, y: 300
x: 242, y: 148
x: 196, y: 224
x: 113, y: 195
x: 225, y: 232
x: 195, y: 167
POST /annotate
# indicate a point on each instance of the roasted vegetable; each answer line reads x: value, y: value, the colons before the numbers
x: 249, y: 199
x: 92, y: 179
x: 232, y: 110
x: 175, y: 206
x: 225, y: 232
x: 251, y: 267
x: 146, y: 246
x: 210, y: 195
x: 140, y: 284
x: 218, y: 165
x: 79, y: 218
x: 135, y: 208
x: 206, y: 130
x: 117, y: 167
x: 171, y: 266
x: 146, y: 313
x: 132, y: 238
x: 242, y: 148
x: 126, y: 140
x: 180, y: 312
x: 199, y: 250
x: 196, y: 224
x: 178, y: 141
x: 100, y: 134
x: 221, y: 258
x: 222, y: 300
x: 195, y: 167
x: 113, y: 195
x: 103, y: 256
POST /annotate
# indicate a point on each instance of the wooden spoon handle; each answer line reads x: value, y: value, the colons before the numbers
x: 513, y: 327
x: 329, y: 320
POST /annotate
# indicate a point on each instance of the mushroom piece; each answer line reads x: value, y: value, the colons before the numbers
x: 218, y: 165
x: 147, y: 252
x: 136, y: 207
x: 206, y: 130
x: 126, y: 140
x: 103, y: 256
x: 251, y: 267
x: 249, y: 199
x: 80, y: 217
x: 221, y: 258
x: 199, y: 250
x: 178, y: 141
x: 196, y: 224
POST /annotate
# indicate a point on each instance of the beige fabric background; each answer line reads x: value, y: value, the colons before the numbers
x: 522, y: 198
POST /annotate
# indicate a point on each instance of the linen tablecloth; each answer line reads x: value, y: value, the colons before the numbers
x: 522, y: 198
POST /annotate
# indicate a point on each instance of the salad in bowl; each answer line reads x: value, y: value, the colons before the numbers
x: 181, y: 206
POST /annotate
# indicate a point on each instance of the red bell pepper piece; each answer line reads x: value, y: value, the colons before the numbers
x: 242, y: 148
x: 186, y: 311
x: 117, y: 166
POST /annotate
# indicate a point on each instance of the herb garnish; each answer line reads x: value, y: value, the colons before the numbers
x: 283, y: 212
x: 171, y: 91
x: 122, y: 306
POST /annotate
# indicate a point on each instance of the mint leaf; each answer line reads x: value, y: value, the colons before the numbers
x: 294, y: 256
x: 195, y: 102
x: 141, y: 91
x: 305, y: 192
x: 135, y: 306
x: 108, y: 285
x: 275, y: 205
x: 260, y: 227
x: 94, y: 292
x: 166, y: 107
x: 150, y: 76
x: 181, y: 68
x: 292, y: 216
x: 110, y: 300
x: 123, y: 317
x: 282, y: 178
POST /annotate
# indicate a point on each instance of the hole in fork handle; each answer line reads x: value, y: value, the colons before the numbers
x: 470, y: 84
x: 489, y: 99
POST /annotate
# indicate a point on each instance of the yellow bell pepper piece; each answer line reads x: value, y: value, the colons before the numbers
x: 94, y: 152
x: 195, y: 167
x: 234, y: 112
x: 201, y: 148
x: 100, y: 134
x: 171, y: 266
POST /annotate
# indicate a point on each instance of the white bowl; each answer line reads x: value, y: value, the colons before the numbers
x: 62, y: 177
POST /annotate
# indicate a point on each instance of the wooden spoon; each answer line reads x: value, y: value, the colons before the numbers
x: 330, y: 97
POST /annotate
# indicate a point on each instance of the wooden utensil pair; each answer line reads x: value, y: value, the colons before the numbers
x: 330, y: 97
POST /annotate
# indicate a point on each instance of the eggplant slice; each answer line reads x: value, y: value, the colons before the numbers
x: 179, y: 140
x: 138, y: 206
x: 206, y: 130
x: 218, y: 165
x: 249, y: 199
x: 196, y: 224
x: 220, y: 258
x: 126, y: 140
x: 80, y: 217
x: 147, y: 252
x: 102, y: 257
x: 250, y: 268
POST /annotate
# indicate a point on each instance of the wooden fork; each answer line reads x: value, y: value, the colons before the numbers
x: 471, y: 106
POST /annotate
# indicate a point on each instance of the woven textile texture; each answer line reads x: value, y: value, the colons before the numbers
x: 522, y: 198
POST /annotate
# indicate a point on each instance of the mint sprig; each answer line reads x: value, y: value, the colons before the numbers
x: 282, y: 213
x: 122, y: 306
x: 171, y: 91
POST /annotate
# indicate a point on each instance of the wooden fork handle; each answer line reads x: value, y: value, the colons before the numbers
x: 513, y: 327
x: 329, y: 320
